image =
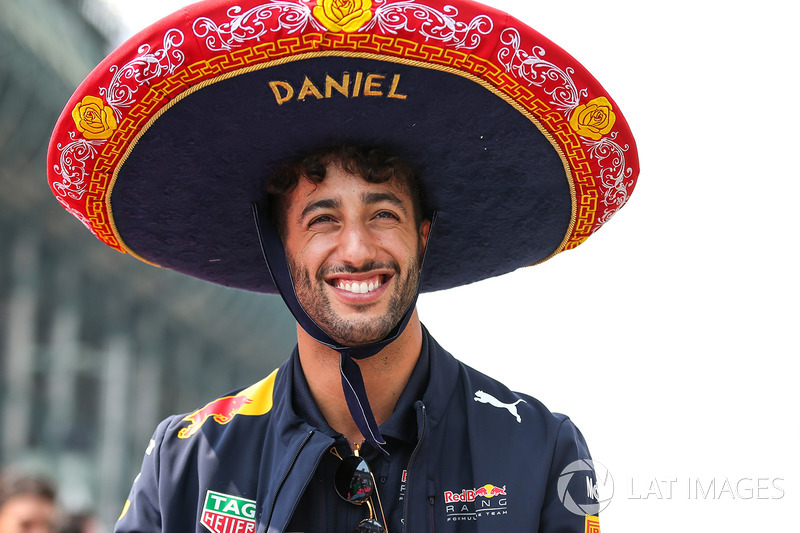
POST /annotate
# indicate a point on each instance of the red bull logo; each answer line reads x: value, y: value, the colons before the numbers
x: 490, y: 491
x: 221, y: 411
x: 469, y: 495
x: 254, y: 400
x: 470, y: 504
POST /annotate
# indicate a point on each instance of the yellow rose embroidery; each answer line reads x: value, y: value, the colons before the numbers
x: 94, y: 119
x: 593, y: 119
x: 343, y: 15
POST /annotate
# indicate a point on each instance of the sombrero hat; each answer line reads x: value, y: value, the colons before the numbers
x: 165, y: 146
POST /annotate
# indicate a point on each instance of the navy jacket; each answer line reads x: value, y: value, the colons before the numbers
x: 487, y: 460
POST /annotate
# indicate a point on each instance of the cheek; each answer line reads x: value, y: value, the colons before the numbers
x: 317, y: 248
x: 314, y: 255
x: 403, y: 250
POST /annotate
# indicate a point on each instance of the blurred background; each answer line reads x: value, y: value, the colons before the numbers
x: 95, y: 348
x: 669, y: 337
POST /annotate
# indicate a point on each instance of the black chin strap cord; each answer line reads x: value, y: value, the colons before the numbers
x: 355, y: 392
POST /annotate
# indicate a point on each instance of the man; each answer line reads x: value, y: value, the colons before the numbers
x: 355, y: 251
x: 518, y: 159
x: 354, y: 238
x: 27, y: 504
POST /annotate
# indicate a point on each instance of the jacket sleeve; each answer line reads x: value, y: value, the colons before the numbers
x: 571, y: 502
x: 142, y: 512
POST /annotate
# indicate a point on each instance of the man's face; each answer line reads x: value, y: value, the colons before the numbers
x: 354, y: 251
x: 28, y: 513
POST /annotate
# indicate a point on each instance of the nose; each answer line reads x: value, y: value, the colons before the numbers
x: 356, y: 245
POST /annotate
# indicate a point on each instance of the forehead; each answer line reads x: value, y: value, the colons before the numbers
x: 27, y: 506
x: 344, y: 186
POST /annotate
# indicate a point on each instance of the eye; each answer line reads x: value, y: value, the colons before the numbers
x: 386, y: 215
x: 322, y: 219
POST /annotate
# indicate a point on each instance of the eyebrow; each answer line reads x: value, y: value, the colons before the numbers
x: 368, y: 198
x: 371, y: 198
x: 325, y: 203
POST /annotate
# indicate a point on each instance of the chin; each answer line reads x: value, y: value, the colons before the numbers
x: 352, y: 338
x: 362, y: 331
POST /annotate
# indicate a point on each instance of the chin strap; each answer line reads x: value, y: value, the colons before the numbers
x: 352, y: 381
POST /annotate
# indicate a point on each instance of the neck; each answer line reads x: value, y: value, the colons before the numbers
x: 385, y: 377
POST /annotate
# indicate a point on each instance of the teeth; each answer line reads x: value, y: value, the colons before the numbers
x: 359, y: 288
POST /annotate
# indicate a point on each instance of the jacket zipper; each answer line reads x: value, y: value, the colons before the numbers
x: 430, y: 522
x: 410, y: 464
x: 283, y: 479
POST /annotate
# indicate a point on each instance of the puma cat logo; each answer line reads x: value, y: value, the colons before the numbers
x: 485, y: 397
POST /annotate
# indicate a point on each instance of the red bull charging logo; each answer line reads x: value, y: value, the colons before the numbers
x: 253, y: 401
x: 221, y: 411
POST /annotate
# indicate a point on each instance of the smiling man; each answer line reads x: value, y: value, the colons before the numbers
x: 482, y: 158
x: 352, y: 225
x: 354, y: 248
x: 351, y: 221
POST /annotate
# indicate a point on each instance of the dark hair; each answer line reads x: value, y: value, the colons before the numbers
x: 373, y: 164
x: 13, y: 484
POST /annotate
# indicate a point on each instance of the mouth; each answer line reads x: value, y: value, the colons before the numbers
x: 360, y: 284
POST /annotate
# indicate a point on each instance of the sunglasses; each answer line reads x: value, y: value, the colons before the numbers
x: 354, y: 483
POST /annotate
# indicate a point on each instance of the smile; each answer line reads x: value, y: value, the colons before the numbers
x: 359, y: 286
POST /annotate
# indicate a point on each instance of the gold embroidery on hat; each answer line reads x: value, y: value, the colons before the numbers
x: 393, y: 89
x: 374, y: 85
x: 357, y: 85
x: 308, y: 88
x: 342, y: 88
x: 93, y: 118
x: 594, y: 119
x: 343, y: 15
x: 276, y: 87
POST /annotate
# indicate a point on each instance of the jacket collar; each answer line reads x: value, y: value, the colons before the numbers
x: 293, y: 446
x: 401, y: 424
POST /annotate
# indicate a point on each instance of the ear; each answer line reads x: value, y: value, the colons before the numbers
x: 424, y: 230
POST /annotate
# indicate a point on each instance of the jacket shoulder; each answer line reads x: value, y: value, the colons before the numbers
x: 255, y: 400
x: 188, y: 453
x: 483, y: 389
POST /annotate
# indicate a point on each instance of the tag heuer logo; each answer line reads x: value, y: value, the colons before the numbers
x: 223, y: 513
